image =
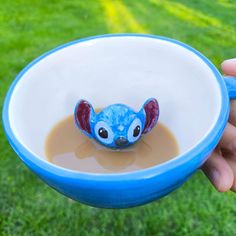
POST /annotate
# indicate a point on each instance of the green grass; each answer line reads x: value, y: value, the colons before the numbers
x: 28, y: 29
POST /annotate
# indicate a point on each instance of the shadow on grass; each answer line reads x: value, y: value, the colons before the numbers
x: 28, y: 30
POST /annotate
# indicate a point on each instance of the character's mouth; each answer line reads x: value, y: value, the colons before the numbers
x: 121, y: 142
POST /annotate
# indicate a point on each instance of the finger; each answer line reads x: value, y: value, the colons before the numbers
x: 229, y: 67
x: 232, y: 115
x: 219, y: 172
x: 228, y: 140
x: 232, y: 163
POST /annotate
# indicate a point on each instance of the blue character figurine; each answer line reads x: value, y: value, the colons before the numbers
x: 116, y: 126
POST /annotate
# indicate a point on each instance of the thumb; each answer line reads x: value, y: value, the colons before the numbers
x: 229, y: 67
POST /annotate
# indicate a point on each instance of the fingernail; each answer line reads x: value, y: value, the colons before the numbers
x: 214, y: 176
x: 230, y: 60
x: 233, y: 146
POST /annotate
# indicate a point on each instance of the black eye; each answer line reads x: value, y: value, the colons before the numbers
x: 136, y: 131
x: 103, y: 133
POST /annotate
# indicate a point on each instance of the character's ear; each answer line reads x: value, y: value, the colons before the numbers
x: 151, y: 109
x: 83, y: 112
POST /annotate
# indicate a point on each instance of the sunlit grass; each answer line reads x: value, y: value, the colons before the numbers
x: 191, y: 16
x: 198, y: 25
x: 119, y: 18
x: 227, y: 3
x: 187, y: 14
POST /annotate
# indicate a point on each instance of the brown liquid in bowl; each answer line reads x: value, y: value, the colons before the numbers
x: 67, y: 147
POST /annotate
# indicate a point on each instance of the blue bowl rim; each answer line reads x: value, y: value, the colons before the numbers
x: 204, y: 147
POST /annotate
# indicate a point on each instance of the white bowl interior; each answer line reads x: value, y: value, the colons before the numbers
x: 116, y: 70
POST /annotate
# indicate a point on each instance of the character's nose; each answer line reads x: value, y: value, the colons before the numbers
x: 121, y: 141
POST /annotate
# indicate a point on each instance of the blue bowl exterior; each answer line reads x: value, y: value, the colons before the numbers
x: 126, y: 189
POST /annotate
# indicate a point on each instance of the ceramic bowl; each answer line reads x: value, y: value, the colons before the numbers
x: 120, y: 68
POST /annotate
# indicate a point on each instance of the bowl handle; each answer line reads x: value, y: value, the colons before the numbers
x: 231, y: 85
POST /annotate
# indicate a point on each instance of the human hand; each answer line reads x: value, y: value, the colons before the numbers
x: 220, y: 168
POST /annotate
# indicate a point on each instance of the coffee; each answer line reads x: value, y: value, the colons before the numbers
x: 67, y: 147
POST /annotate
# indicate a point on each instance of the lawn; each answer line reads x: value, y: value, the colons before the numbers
x: 29, y: 28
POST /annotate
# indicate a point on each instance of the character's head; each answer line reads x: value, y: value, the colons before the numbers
x: 116, y: 126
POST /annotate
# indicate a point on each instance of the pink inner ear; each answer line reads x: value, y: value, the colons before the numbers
x: 83, y: 116
x: 152, y: 112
